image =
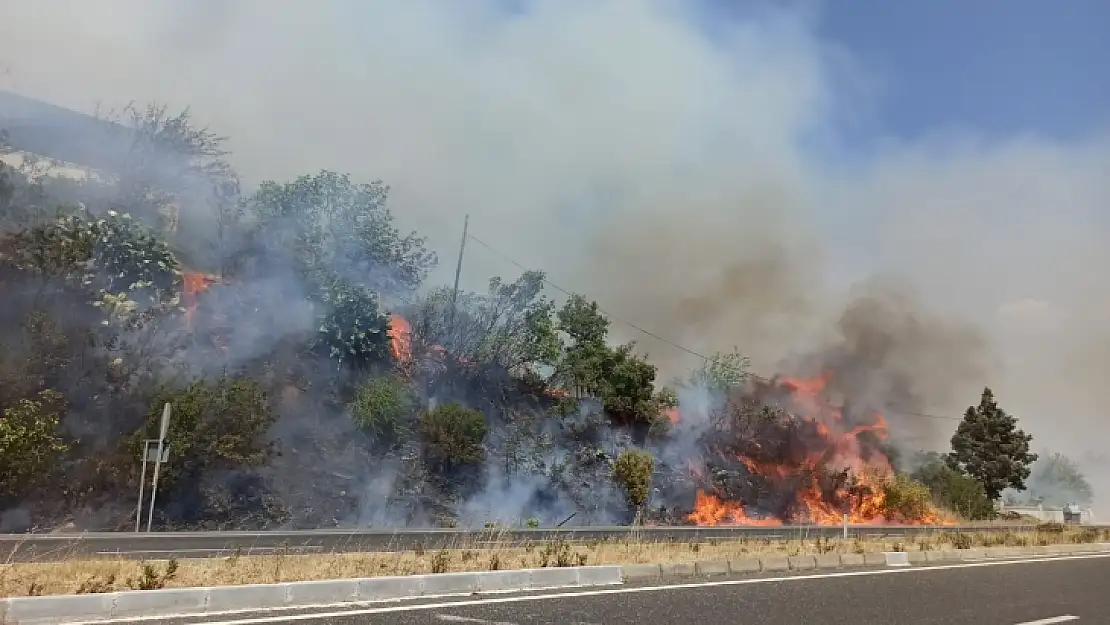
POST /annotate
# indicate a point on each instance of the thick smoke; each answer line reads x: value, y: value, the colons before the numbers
x: 661, y: 171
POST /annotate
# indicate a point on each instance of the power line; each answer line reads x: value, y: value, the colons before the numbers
x: 657, y: 337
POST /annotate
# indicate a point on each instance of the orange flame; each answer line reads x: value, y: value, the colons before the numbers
x: 400, y: 338
x: 193, y: 284
x: 841, y: 450
x: 672, y: 415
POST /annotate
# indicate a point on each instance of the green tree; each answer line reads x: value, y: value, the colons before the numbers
x: 351, y: 327
x: 335, y: 227
x: 29, y: 443
x: 952, y: 490
x: 214, y: 425
x: 721, y: 372
x: 510, y: 326
x: 383, y: 408
x: 990, y: 447
x: 632, y: 470
x: 453, y: 436
x: 113, y: 256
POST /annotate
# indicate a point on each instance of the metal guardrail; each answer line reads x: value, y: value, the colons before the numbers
x: 154, y: 545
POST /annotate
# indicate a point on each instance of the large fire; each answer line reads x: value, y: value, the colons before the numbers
x: 823, y: 444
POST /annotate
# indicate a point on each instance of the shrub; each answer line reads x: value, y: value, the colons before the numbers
x: 382, y: 408
x: 906, y: 499
x: 632, y: 471
x: 453, y: 436
x: 955, y: 491
x: 29, y: 442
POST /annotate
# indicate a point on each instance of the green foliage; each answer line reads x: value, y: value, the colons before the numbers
x: 905, y: 499
x: 990, y: 447
x: 626, y: 383
x: 383, y: 408
x: 623, y: 380
x: 721, y: 372
x: 333, y: 226
x: 453, y: 436
x: 510, y: 326
x: 583, y: 321
x: 632, y: 471
x: 29, y: 443
x: 214, y: 425
x: 351, y: 328
x: 953, y: 490
x: 113, y: 255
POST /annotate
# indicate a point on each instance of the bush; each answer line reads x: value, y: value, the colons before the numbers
x: 955, y: 491
x: 214, y: 425
x: 382, y: 408
x: 453, y: 436
x: 632, y: 471
x: 905, y: 499
x: 29, y: 443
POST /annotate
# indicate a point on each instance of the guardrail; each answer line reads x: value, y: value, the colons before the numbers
x: 154, y: 545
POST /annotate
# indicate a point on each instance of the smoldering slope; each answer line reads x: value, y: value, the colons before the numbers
x: 667, y: 173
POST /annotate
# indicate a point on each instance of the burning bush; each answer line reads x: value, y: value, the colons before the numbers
x: 780, y: 453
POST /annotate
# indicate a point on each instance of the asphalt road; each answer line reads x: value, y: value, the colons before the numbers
x: 991, y: 593
x: 142, y: 545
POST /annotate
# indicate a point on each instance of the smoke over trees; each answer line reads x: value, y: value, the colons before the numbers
x: 316, y: 379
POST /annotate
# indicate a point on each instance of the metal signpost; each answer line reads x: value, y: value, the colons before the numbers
x: 157, y: 455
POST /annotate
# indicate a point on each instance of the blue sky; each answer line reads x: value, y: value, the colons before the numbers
x: 998, y: 66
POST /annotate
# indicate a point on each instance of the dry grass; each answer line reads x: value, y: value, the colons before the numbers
x: 84, y: 575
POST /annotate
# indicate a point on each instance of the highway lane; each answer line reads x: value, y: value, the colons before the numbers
x: 140, y: 545
x: 1043, y: 592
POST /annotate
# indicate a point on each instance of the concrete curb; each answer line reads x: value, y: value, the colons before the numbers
x: 826, y: 561
x: 197, y: 601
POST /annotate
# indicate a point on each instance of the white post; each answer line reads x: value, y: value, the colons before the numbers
x: 142, y: 484
x: 158, y: 464
x: 845, y: 527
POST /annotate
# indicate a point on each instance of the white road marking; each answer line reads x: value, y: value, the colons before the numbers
x: 1050, y: 621
x: 466, y: 619
x: 263, y: 620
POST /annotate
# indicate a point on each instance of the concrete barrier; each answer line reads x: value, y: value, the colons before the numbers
x: 198, y: 601
x: 183, y: 601
x: 897, y: 558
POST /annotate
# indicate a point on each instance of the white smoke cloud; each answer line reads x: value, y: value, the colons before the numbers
x: 614, y: 144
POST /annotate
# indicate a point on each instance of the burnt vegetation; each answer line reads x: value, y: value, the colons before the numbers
x: 317, y: 380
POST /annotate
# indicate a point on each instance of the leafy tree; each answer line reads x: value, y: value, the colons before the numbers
x: 632, y: 471
x: 952, y: 490
x: 29, y: 443
x: 336, y: 227
x: 1056, y: 480
x: 383, y: 408
x: 114, y: 255
x: 626, y: 384
x: 351, y: 327
x: 214, y: 425
x: 453, y: 436
x: 990, y: 447
x: 510, y: 326
x: 721, y: 372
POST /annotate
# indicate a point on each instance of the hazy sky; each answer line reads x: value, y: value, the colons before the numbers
x: 719, y: 172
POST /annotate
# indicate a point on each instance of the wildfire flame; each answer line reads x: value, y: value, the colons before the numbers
x: 400, y: 338
x: 193, y: 284
x: 839, y: 449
